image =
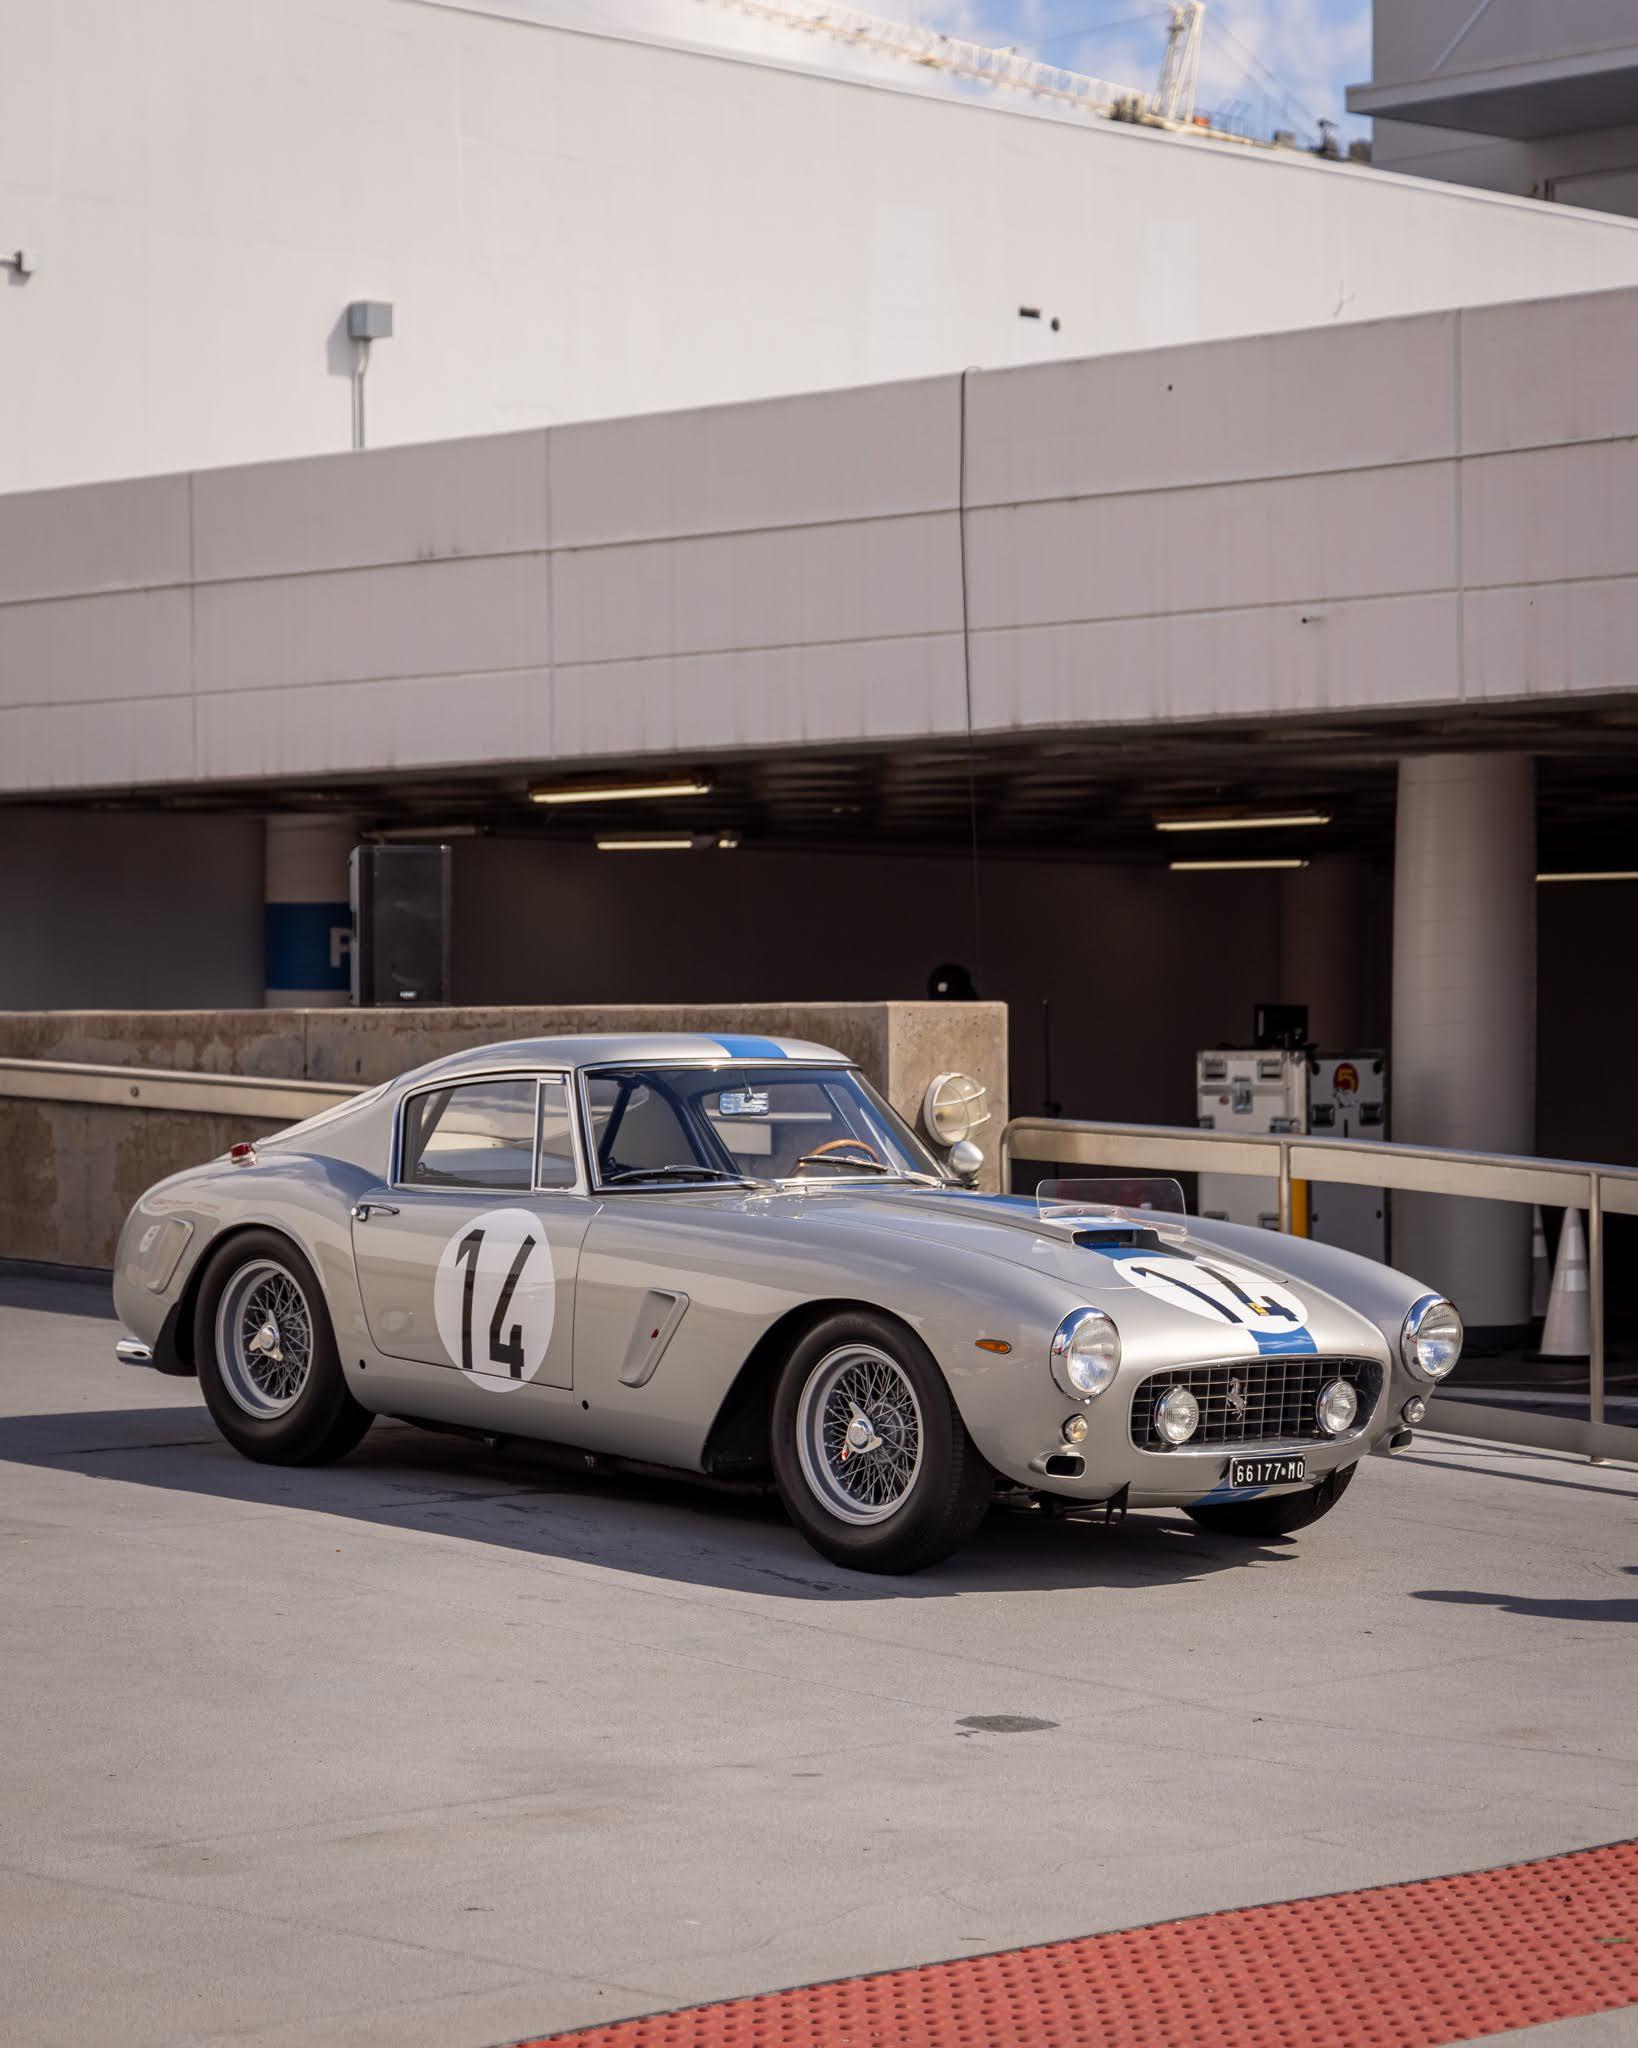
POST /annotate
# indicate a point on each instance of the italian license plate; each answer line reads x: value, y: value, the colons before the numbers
x: 1266, y: 1471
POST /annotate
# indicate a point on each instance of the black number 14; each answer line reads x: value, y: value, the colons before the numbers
x: 507, y: 1351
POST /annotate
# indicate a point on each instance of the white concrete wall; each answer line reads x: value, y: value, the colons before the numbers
x: 577, y: 225
x: 1418, y: 514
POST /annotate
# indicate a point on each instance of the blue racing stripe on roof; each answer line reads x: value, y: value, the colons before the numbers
x: 752, y: 1048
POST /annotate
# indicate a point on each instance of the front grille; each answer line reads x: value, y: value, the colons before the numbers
x: 1277, y: 1396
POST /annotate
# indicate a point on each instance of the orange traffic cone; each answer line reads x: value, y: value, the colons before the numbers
x: 1568, y: 1329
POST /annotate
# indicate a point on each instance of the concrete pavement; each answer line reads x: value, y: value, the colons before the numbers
x: 439, y: 1747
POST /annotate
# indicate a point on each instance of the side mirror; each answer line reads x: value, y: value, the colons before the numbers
x: 966, y: 1160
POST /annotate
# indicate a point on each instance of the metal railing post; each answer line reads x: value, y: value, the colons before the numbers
x: 1595, y: 1307
x: 1285, y: 1186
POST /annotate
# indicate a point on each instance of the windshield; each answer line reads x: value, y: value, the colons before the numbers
x: 659, y: 1125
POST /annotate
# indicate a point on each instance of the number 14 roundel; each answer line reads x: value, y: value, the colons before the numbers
x: 495, y: 1296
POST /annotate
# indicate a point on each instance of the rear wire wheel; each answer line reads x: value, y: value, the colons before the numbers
x: 268, y: 1365
x: 872, y: 1459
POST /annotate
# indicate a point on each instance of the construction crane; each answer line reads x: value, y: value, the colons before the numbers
x: 1180, y: 67
x: 1170, y: 104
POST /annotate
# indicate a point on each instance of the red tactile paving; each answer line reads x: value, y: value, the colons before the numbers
x: 1407, y: 1966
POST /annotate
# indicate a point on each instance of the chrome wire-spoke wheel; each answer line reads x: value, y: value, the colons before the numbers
x: 264, y: 1339
x: 859, y: 1434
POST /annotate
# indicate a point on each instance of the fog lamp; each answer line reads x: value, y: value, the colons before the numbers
x: 1177, y: 1415
x: 1336, y: 1407
x: 1414, y: 1409
x: 1074, y: 1429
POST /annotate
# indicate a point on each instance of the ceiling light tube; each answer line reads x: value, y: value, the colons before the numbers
x: 650, y: 845
x: 618, y: 792
x: 1217, y: 867
x: 1222, y: 824
x: 1593, y: 875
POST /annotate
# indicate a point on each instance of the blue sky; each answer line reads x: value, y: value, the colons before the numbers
x: 1271, y: 63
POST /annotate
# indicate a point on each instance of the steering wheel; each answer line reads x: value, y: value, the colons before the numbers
x: 843, y: 1145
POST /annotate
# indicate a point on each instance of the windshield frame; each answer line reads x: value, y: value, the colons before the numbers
x: 727, y: 1175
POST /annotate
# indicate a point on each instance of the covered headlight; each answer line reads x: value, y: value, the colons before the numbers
x: 1431, y: 1341
x: 1085, y: 1353
x: 953, y: 1108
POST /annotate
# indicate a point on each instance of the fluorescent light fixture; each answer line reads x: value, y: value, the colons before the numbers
x: 1594, y: 875
x: 618, y: 792
x: 1217, y: 867
x: 1221, y: 824
x: 650, y: 845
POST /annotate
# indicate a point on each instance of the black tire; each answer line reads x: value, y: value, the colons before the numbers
x: 323, y: 1422
x: 950, y: 1489
x: 1283, y: 1515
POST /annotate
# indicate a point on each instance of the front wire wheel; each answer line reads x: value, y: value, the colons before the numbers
x: 873, y: 1461
x: 859, y: 1434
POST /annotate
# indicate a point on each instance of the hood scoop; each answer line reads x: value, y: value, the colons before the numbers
x: 1120, y: 1236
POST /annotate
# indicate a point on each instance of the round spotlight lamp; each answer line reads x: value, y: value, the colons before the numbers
x: 1085, y: 1353
x: 1414, y: 1410
x: 953, y: 1108
x: 1336, y: 1407
x: 1431, y: 1341
x: 1177, y: 1415
x: 1075, y: 1428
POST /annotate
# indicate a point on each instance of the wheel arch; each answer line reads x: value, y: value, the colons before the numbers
x: 180, y: 1321
x: 736, y: 1444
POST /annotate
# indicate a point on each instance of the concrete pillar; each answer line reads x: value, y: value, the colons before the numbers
x: 308, y: 926
x: 1463, y: 1069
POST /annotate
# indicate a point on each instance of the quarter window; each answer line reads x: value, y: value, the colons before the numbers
x: 480, y: 1134
x: 557, y: 1162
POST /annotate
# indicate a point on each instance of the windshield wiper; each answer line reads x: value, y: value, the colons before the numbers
x: 668, y: 1172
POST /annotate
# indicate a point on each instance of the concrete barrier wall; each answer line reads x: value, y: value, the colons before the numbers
x: 70, y: 1171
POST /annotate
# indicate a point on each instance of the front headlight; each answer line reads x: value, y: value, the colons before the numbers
x: 1431, y: 1341
x: 1085, y: 1353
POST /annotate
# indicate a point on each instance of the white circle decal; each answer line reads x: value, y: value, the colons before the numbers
x: 1222, y: 1293
x: 495, y: 1297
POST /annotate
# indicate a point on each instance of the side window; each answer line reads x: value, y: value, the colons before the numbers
x: 478, y: 1134
x: 557, y: 1167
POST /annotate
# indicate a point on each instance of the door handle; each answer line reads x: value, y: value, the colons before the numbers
x: 363, y: 1211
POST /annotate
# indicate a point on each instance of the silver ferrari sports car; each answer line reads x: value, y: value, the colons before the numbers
x: 730, y: 1256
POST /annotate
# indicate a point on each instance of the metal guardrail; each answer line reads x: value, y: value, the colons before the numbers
x: 1414, y: 1169
x: 161, y: 1088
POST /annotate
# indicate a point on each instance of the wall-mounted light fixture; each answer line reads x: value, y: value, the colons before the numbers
x: 22, y: 263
